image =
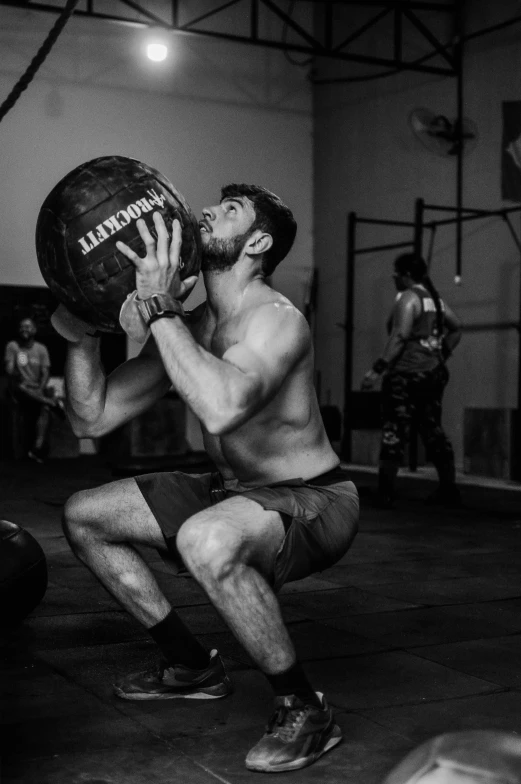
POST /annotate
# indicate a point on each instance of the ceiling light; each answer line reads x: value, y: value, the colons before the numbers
x: 157, y: 52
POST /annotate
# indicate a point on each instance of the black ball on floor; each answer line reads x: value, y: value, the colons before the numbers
x: 84, y: 215
x: 23, y: 573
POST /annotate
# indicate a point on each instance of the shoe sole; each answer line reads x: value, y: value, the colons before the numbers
x: 195, y: 695
x: 303, y: 762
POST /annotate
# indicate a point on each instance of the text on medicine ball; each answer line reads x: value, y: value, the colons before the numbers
x: 119, y: 220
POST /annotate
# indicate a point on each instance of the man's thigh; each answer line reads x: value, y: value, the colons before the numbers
x: 119, y: 511
x: 173, y: 497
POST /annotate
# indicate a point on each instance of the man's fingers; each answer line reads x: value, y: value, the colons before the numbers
x: 128, y: 252
x: 162, y: 236
x: 186, y: 287
x: 175, y: 243
x: 145, y: 235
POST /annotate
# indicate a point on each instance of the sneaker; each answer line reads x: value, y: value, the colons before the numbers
x: 168, y: 682
x: 297, y: 735
x: 36, y: 455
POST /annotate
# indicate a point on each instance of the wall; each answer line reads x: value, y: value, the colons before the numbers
x: 215, y: 113
x: 368, y: 160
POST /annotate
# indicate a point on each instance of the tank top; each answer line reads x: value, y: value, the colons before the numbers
x: 423, y: 347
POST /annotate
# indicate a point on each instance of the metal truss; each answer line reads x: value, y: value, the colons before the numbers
x: 245, y: 21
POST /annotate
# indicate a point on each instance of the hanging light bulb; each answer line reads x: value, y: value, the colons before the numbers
x: 157, y: 52
x: 156, y: 44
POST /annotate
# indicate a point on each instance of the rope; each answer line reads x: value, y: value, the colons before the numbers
x: 26, y: 78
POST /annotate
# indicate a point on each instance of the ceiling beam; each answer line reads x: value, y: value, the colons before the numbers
x: 333, y: 42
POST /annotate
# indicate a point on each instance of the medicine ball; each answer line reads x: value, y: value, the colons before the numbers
x: 95, y: 205
x: 481, y: 756
x: 23, y: 573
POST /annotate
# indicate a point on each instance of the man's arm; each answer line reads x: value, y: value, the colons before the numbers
x: 224, y: 393
x: 45, y: 367
x: 44, y: 378
x: 10, y: 360
x: 97, y: 404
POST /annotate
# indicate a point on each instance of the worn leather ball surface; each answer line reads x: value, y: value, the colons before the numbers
x: 83, y: 217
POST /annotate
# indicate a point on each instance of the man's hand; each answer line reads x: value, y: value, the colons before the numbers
x: 369, y: 380
x: 159, y: 271
x: 69, y: 326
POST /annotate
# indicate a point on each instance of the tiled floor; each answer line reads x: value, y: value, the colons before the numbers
x: 417, y: 631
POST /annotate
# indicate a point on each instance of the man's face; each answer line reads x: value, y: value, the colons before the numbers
x: 224, y: 230
x: 27, y: 329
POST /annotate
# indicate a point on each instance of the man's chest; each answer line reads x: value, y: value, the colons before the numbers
x: 25, y: 358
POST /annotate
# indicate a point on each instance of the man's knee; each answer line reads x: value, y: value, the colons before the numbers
x: 208, y: 547
x: 78, y: 519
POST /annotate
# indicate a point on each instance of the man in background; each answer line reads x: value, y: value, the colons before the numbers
x: 27, y: 365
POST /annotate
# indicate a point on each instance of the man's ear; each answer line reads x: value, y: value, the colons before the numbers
x: 260, y: 242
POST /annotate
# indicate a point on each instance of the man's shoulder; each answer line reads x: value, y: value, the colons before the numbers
x: 279, y: 322
x: 276, y: 309
x: 268, y: 298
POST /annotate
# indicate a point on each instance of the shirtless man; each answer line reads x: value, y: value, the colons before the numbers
x: 279, y: 507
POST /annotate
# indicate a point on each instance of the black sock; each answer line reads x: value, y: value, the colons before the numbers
x: 294, y: 681
x: 178, y: 644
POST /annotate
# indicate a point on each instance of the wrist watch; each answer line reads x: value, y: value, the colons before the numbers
x: 159, y: 306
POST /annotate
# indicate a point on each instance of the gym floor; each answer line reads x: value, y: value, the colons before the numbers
x: 417, y: 631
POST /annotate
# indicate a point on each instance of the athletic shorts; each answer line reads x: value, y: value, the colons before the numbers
x: 320, y: 515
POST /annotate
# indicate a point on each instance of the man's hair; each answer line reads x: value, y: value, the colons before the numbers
x: 271, y: 216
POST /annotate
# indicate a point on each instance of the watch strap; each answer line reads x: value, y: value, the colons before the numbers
x: 159, y: 306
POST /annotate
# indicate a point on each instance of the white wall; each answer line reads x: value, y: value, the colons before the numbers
x: 215, y: 113
x: 368, y: 160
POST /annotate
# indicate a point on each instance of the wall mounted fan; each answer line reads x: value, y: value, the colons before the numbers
x: 442, y: 135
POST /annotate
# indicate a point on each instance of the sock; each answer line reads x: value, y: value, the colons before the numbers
x: 178, y: 644
x: 294, y: 681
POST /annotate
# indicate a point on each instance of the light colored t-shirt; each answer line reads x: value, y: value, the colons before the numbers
x: 30, y: 363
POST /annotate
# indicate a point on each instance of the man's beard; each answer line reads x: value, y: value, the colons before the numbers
x: 220, y: 255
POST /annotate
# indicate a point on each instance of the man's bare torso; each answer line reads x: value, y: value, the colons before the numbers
x: 286, y: 438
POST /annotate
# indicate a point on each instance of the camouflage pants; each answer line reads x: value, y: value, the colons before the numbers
x: 414, y: 397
